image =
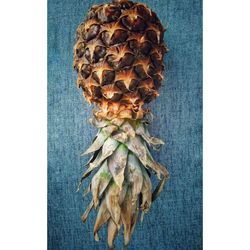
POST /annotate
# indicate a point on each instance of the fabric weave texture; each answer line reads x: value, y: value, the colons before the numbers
x: 174, y: 221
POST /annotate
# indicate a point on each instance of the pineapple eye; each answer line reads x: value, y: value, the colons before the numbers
x: 108, y: 77
x: 145, y: 48
x: 99, y: 53
x: 134, y: 24
x: 86, y: 70
x: 92, y: 32
x: 157, y: 81
x: 140, y: 72
x: 143, y: 12
x: 119, y: 36
x: 79, y: 50
x: 126, y: 61
x: 108, y: 13
x: 152, y: 36
x: 96, y: 91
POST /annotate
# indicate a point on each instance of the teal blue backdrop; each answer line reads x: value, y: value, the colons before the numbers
x: 175, y: 219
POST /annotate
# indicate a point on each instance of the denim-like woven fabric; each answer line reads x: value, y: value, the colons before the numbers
x: 175, y: 219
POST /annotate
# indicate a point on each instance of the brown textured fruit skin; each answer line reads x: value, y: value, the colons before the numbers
x: 118, y: 56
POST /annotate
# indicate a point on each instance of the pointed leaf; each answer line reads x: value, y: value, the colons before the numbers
x: 102, y: 217
x: 100, y: 181
x: 101, y: 138
x: 146, y: 191
x: 112, y: 201
x: 135, y: 177
x: 123, y: 193
x: 92, y: 158
x: 117, y: 163
x: 88, y: 189
x: 87, y: 211
x: 128, y: 215
x: 159, y: 188
x: 108, y: 148
x: 135, y: 145
x: 112, y: 233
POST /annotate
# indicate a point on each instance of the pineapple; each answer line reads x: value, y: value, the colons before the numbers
x: 118, y: 56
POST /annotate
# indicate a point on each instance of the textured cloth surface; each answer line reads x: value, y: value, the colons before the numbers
x: 175, y: 219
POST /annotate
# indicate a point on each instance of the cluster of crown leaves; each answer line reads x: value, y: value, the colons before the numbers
x: 118, y: 56
x: 121, y: 186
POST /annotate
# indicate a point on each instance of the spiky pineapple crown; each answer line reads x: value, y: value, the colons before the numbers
x: 119, y: 58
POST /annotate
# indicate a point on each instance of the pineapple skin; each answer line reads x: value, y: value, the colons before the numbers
x: 118, y: 56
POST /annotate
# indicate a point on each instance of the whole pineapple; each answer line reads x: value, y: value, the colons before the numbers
x: 118, y: 56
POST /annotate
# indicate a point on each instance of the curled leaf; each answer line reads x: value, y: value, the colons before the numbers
x: 120, y: 136
x: 143, y: 132
x: 157, y: 167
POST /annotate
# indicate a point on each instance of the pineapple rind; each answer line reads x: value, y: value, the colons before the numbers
x: 118, y: 55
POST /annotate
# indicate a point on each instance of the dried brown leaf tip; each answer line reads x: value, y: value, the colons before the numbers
x: 118, y: 56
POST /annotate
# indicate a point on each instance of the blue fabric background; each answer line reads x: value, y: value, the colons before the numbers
x: 175, y: 219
